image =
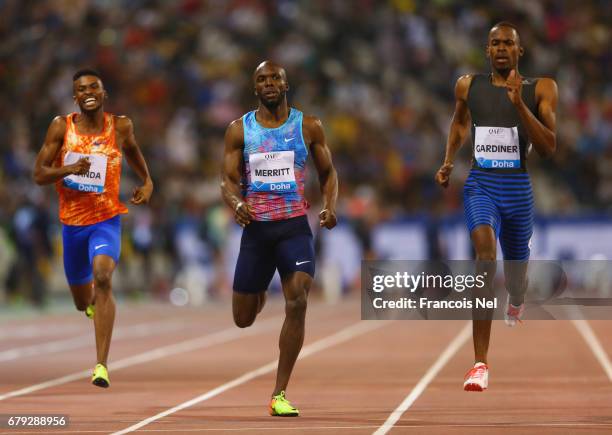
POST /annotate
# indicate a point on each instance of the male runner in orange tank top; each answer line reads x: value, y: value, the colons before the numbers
x: 82, y: 155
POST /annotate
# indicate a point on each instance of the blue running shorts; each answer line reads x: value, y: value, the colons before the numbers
x: 504, y: 202
x: 83, y: 242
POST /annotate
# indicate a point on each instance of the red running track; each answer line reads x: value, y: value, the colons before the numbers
x: 545, y: 376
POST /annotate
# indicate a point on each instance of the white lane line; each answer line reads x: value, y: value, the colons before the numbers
x: 219, y: 337
x: 591, y: 339
x: 346, y: 334
x: 45, y: 327
x: 20, y: 332
x: 40, y: 330
x: 121, y: 333
x: 452, y: 348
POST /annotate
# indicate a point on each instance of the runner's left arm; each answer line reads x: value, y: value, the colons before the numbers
x: 541, y: 128
x: 328, y: 177
x: 136, y: 160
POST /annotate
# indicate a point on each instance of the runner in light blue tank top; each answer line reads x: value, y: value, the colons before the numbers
x: 275, y: 163
x: 263, y: 183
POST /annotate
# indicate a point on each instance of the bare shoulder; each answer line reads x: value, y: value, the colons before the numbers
x: 58, y: 126
x: 312, y: 126
x: 546, y: 87
x: 462, y: 86
x: 234, y: 135
x: 58, y: 122
x: 312, y: 129
x: 123, y: 124
x: 235, y: 130
x: 311, y: 121
x: 235, y: 126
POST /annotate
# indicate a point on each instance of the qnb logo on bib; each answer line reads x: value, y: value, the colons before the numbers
x: 94, y: 180
x: 497, y: 147
x: 273, y: 172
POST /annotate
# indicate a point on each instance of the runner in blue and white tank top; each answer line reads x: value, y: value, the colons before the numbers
x: 506, y: 113
x: 274, y: 168
x: 263, y: 183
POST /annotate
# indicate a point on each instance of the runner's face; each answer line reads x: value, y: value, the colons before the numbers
x: 270, y: 85
x: 503, y: 48
x: 89, y: 93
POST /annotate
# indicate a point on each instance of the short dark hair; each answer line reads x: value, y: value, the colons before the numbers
x: 85, y: 72
x: 506, y: 24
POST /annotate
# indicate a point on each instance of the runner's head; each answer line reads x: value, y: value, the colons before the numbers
x: 88, y: 90
x: 270, y: 81
x: 504, y: 47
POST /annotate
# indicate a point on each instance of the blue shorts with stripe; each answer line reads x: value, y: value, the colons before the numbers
x: 505, y: 203
x: 83, y: 242
x: 266, y: 246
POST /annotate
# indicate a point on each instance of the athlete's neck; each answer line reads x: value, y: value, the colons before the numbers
x: 272, y: 116
x: 499, y: 77
x: 91, y: 122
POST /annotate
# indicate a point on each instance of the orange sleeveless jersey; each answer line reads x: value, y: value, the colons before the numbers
x: 77, y: 207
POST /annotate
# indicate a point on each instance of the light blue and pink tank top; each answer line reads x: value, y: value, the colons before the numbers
x: 274, y: 168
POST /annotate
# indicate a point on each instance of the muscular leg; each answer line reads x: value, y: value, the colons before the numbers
x: 82, y: 295
x: 103, y: 267
x: 515, y: 241
x: 295, y: 288
x: 516, y: 280
x: 246, y: 306
x: 485, y: 245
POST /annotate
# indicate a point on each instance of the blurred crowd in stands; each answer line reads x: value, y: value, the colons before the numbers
x: 380, y: 74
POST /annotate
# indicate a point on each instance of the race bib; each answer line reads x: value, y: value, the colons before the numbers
x: 497, y: 147
x: 94, y: 180
x: 273, y: 172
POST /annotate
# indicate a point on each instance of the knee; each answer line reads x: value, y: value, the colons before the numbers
x: 296, y: 306
x: 486, y: 255
x: 80, y: 304
x: 242, y: 321
x: 102, y: 280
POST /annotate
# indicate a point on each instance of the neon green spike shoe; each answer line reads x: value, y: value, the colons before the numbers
x: 281, y: 407
x: 90, y: 311
x: 100, y: 376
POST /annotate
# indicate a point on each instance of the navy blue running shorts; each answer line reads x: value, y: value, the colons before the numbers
x: 286, y: 245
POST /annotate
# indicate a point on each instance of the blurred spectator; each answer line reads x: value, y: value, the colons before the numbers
x: 31, y: 267
x: 380, y: 74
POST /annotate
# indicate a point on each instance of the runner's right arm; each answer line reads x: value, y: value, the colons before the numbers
x: 44, y: 171
x: 231, y: 173
x: 460, y: 126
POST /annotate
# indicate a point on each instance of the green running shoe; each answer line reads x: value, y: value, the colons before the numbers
x: 281, y: 407
x: 90, y: 311
x: 100, y: 376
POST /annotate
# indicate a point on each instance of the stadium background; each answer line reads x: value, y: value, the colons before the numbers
x: 380, y: 74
